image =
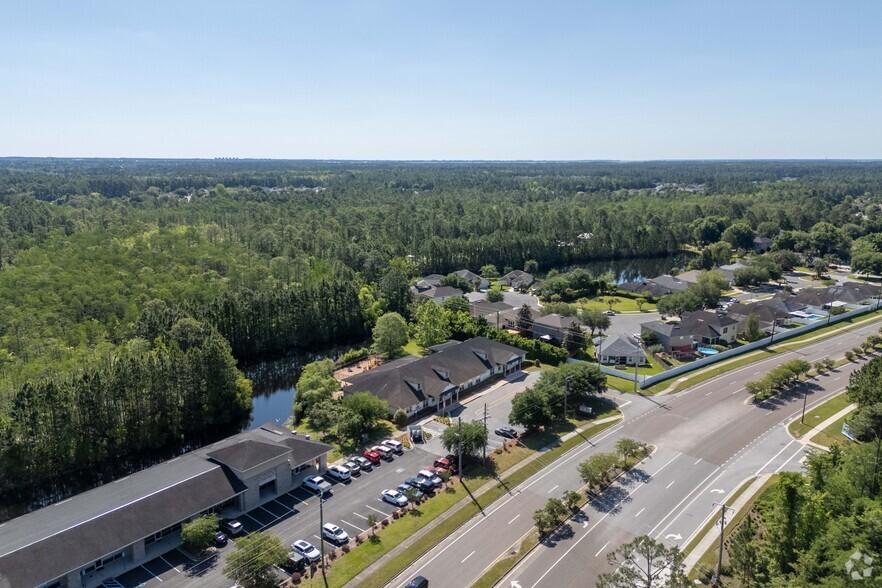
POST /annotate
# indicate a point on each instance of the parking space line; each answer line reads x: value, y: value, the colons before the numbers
x: 359, y: 515
x: 270, y: 513
x: 252, y: 518
x: 351, y: 525
x: 466, y: 557
x: 169, y: 563
x: 151, y: 573
x: 376, y: 510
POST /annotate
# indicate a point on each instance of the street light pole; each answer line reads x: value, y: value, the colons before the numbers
x: 636, y: 369
x: 321, y: 534
x: 804, y: 400
x: 566, y: 393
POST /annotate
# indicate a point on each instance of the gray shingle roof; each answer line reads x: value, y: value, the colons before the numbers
x: 52, y: 541
x: 617, y: 345
x: 247, y: 454
x: 442, y: 292
x: 403, y: 384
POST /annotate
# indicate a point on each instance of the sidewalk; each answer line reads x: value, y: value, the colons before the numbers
x: 415, y: 538
x: 807, y: 439
x: 713, y: 536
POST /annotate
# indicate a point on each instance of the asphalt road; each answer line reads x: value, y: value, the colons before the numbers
x: 709, y: 439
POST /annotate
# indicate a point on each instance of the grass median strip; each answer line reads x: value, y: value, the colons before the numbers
x: 495, y: 572
x: 818, y: 415
x: 350, y: 565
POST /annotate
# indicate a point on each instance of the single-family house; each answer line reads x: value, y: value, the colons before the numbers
x: 690, y: 277
x: 492, y: 312
x: 672, y: 283
x: 772, y: 311
x: 477, y: 282
x: 618, y: 349
x: 670, y: 336
x: 552, y: 327
x: 430, y: 282
x: 517, y: 279
x: 729, y: 270
x: 709, y: 328
x: 441, y: 293
x: 761, y: 244
x: 848, y: 294
x: 645, y: 288
x: 422, y: 384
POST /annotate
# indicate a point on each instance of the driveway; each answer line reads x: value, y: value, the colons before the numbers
x: 628, y: 324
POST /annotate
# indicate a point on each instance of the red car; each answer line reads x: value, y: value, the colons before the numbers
x: 444, y: 463
x: 372, y: 456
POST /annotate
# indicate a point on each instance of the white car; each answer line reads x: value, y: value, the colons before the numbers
x: 435, y: 480
x: 334, y: 534
x: 307, y: 550
x: 317, y: 484
x: 394, y: 445
x: 394, y: 497
x: 383, y: 451
x: 339, y: 473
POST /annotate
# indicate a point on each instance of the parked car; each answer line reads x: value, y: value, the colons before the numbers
x: 383, y: 452
x: 339, y: 473
x: 637, y: 336
x: 334, y: 534
x: 506, y: 432
x: 421, y: 484
x: 443, y: 462
x: 232, y: 527
x: 394, y: 445
x: 294, y: 563
x: 220, y: 539
x: 372, y: 456
x: 364, y: 463
x: 418, y: 582
x: 354, y: 467
x: 394, y: 497
x: 610, y: 313
x: 317, y: 484
x: 404, y: 488
x: 432, y: 477
x: 307, y: 550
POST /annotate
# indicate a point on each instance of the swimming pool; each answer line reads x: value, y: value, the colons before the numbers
x: 813, y: 317
x: 707, y: 351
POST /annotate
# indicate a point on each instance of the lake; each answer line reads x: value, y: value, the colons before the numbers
x: 632, y: 270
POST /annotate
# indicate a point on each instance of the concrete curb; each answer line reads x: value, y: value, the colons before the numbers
x: 712, y: 535
x: 480, y: 491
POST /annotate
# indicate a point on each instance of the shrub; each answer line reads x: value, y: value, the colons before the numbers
x: 400, y: 418
x: 345, y: 548
x: 351, y: 356
x: 296, y: 577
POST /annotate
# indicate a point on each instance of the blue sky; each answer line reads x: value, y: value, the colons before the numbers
x: 442, y: 80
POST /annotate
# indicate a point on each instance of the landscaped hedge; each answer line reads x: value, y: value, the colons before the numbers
x: 544, y: 352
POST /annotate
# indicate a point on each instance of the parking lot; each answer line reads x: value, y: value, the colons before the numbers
x: 291, y: 516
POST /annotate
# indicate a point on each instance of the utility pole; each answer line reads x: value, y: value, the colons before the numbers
x: 723, y: 508
x: 484, y: 457
x: 322, y: 535
x: 774, y: 324
x: 566, y: 393
x: 459, y: 446
x: 804, y: 400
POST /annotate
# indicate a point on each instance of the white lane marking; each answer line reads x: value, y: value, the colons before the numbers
x: 376, y: 510
x: 735, y: 392
x: 783, y: 449
x: 669, y: 485
x: 685, y: 498
x: 169, y: 563
x: 697, y: 461
x: 709, y: 393
x: 640, y: 513
x: 151, y: 573
x: 553, y: 489
x: 781, y: 467
x: 559, y: 462
x: 351, y: 525
x: 468, y: 556
x: 514, y: 519
x: 574, y: 545
x: 601, y: 549
x: 359, y: 515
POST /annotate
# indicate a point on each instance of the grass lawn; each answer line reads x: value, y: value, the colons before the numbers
x: 832, y: 434
x: 413, y: 349
x: 708, y: 560
x: 346, y: 569
x: 495, y: 572
x: 624, y: 305
x: 381, y: 431
x: 712, y: 522
x: 818, y: 415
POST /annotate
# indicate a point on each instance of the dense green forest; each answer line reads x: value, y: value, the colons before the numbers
x: 110, y: 266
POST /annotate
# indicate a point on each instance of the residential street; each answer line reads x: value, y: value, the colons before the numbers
x: 709, y: 440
